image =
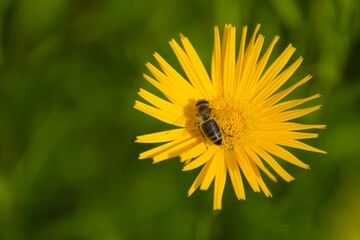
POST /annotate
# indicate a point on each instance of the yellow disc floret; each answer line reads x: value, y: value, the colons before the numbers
x: 235, y: 119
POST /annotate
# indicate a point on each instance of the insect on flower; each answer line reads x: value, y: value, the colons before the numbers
x: 207, y: 123
x: 239, y: 108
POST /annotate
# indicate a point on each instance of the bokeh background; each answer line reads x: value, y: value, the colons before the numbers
x: 69, y: 75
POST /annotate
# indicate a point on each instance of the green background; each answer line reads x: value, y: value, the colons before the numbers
x: 69, y: 76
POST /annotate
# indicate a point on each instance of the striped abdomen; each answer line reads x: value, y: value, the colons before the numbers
x: 211, y: 130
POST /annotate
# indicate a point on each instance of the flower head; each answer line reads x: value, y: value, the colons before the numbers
x: 245, y: 101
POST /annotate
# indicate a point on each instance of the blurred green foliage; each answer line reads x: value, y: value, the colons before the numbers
x: 69, y: 73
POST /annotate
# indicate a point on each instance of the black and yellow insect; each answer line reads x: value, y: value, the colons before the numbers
x: 207, y: 123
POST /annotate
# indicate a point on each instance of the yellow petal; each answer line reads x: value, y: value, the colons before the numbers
x: 202, y: 77
x: 272, y: 100
x: 264, y: 91
x: 200, y: 178
x: 194, y: 152
x: 205, y: 157
x: 235, y: 176
x: 162, y: 148
x: 290, y: 114
x: 284, y: 135
x: 175, y: 81
x: 167, y: 117
x: 288, y: 126
x: 246, y: 169
x: 161, y: 103
x: 281, y: 153
x: 164, y: 136
x: 220, y: 180
x: 240, y: 61
x: 174, y: 92
x: 285, y: 106
x: 260, y: 66
x: 211, y: 172
x: 271, y: 161
x: 276, y: 67
x: 179, y: 99
x: 248, y: 78
x: 228, y: 60
x: 189, y: 69
x: 255, y: 158
x: 177, y: 150
x: 216, y: 71
x: 297, y: 144
x: 260, y: 181
x: 251, y: 43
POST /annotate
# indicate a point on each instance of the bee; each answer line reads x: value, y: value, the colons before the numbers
x: 207, y: 124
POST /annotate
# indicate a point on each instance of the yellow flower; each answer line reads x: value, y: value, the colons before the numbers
x: 245, y: 102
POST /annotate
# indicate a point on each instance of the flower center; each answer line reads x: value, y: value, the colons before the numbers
x: 235, y: 119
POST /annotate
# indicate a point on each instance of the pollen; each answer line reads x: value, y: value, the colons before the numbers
x: 236, y: 121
